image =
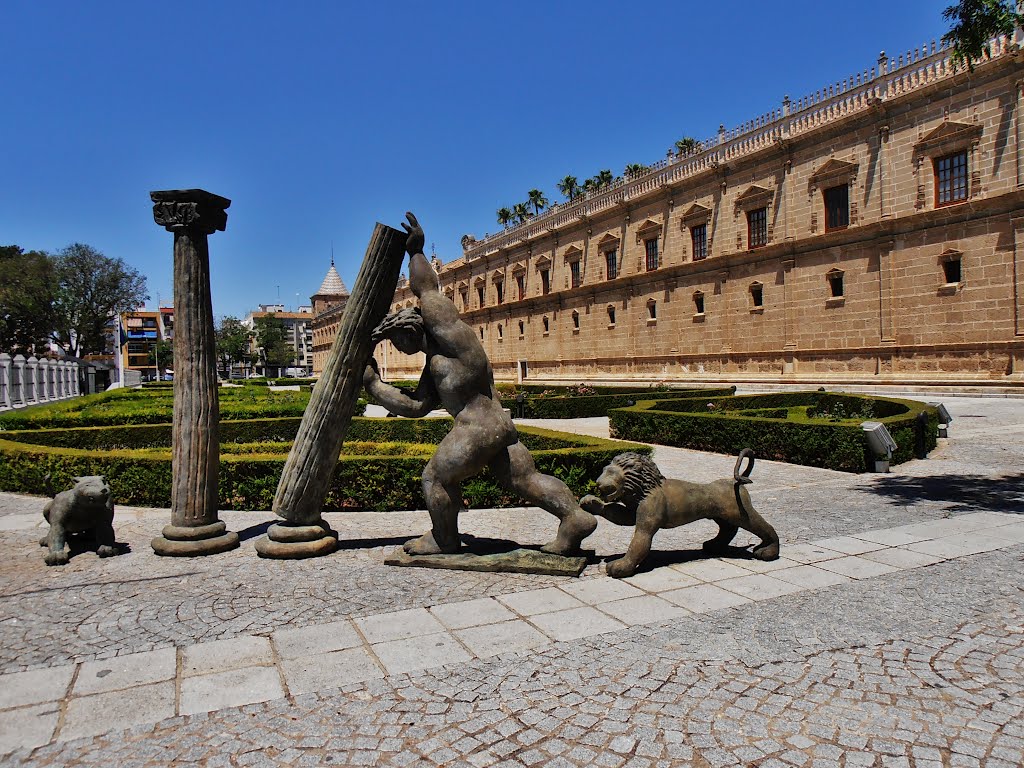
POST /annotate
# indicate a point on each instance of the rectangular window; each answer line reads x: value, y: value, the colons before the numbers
x: 574, y: 272
x: 757, y: 228
x: 699, y: 238
x: 835, y: 284
x: 837, y: 207
x: 698, y: 303
x: 545, y: 281
x: 951, y: 271
x: 651, y: 254
x: 521, y: 285
x: 480, y: 295
x: 951, y: 179
x: 499, y: 287
x: 611, y: 261
x: 464, y: 294
x: 757, y: 295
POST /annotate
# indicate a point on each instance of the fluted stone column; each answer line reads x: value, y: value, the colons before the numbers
x: 192, y: 215
x: 76, y: 385
x: 50, y: 378
x: 18, y: 381
x: 34, y: 392
x: 62, y: 390
x: 307, y: 473
x: 5, y: 381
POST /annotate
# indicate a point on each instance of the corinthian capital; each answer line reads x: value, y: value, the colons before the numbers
x: 193, y: 210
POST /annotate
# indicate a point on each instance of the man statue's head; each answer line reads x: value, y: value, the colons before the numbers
x: 404, y: 329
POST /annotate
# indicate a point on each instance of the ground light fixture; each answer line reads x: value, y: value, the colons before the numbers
x: 880, y: 442
x: 944, y: 418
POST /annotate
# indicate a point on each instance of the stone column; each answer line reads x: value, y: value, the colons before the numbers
x: 76, y: 385
x: 18, y: 381
x: 309, y: 469
x: 62, y: 379
x: 51, y: 379
x: 192, y: 215
x: 34, y: 393
x: 5, y: 381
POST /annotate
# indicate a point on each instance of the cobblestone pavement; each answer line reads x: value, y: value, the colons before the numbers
x: 913, y: 667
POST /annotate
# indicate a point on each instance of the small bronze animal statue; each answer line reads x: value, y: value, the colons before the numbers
x: 634, y: 492
x: 86, y: 508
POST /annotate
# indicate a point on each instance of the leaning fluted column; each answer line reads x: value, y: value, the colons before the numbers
x: 192, y: 215
x: 307, y: 473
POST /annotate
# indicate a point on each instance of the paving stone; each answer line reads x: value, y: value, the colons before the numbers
x: 27, y: 727
x: 330, y: 669
x: 504, y: 637
x: 601, y: 590
x: 303, y: 642
x: 645, y: 609
x: 471, y: 613
x: 810, y: 553
x: 958, y: 545
x: 35, y: 686
x: 573, y: 623
x: 711, y: 570
x: 230, y: 653
x: 704, y: 597
x: 117, y: 710
x: 765, y: 566
x: 856, y: 567
x: 538, y: 601
x: 759, y: 586
x: 399, y: 625
x: 233, y: 688
x: 901, y: 558
x: 126, y: 671
x: 810, y: 577
x: 662, y: 580
x: 414, y: 653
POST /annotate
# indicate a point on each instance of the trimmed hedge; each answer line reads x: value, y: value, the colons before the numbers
x: 249, y: 481
x: 813, y: 428
x: 585, y: 406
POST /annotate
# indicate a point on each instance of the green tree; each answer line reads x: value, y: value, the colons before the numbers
x: 635, y: 169
x: 536, y: 198
x: 91, y: 289
x: 233, y: 343
x: 26, y: 300
x: 521, y: 211
x: 686, y: 145
x: 274, y: 350
x: 505, y: 216
x: 975, y: 23
x: 590, y: 185
x: 604, y: 178
x: 161, y: 355
x: 569, y: 187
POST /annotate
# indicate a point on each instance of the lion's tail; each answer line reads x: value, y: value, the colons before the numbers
x: 742, y: 478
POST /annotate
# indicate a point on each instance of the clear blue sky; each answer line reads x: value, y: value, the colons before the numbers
x: 319, y: 118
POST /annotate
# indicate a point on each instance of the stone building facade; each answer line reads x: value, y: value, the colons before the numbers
x: 328, y: 305
x: 872, y: 232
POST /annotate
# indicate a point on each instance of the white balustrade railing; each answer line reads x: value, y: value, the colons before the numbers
x: 31, y: 381
x: 890, y: 78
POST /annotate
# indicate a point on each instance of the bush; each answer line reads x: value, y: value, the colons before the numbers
x: 557, y: 406
x: 812, y: 428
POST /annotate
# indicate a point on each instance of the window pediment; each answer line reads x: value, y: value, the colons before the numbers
x: 947, y: 135
x: 519, y: 269
x: 950, y: 254
x: 479, y: 280
x: 754, y: 197
x: 834, y: 170
x: 544, y: 262
x: 497, y: 276
x: 608, y: 241
x: 696, y: 214
x: 648, y: 229
x: 573, y: 253
x: 463, y: 286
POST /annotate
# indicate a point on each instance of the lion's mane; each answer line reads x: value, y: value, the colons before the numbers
x: 640, y: 476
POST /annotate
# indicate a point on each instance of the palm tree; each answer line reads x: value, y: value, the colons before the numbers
x: 604, y: 178
x: 634, y: 169
x: 569, y: 187
x: 521, y: 211
x: 505, y: 216
x: 686, y: 145
x: 589, y: 186
x: 536, y: 198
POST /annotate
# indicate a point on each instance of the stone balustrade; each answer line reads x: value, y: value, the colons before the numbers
x: 35, y: 380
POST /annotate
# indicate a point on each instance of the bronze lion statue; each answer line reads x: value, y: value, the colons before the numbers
x: 634, y: 492
x: 88, y: 508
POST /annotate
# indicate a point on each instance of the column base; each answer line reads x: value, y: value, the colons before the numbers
x: 195, y: 541
x: 296, y: 541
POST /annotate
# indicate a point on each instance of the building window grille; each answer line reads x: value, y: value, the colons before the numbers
x: 576, y: 320
x: 837, y: 207
x: 611, y: 263
x: 698, y: 302
x: 611, y: 315
x: 757, y: 295
x: 952, y: 271
x: 499, y: 288
x: 757, y: 228
x: 951, y: 179
x: 651, y: 254
x: 835, y: 284
x: 480, y: 295
x: 545, y: 281
x: 521, y: 284
x: 574, y: 274
x: 699, y: 239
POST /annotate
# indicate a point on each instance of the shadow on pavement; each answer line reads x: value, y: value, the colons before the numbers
x: 964, y: 493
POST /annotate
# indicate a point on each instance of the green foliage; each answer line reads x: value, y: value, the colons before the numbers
x: 26, y: 300
x: 233, y: 342
x: 975, y: 23
x: 270, y: 335
x: 813, y: 428
x: 553, y: 404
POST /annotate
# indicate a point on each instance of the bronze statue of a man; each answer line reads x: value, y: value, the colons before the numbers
x: 458, y: 376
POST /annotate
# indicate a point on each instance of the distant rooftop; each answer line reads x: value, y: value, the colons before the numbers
x: 332, y: 284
